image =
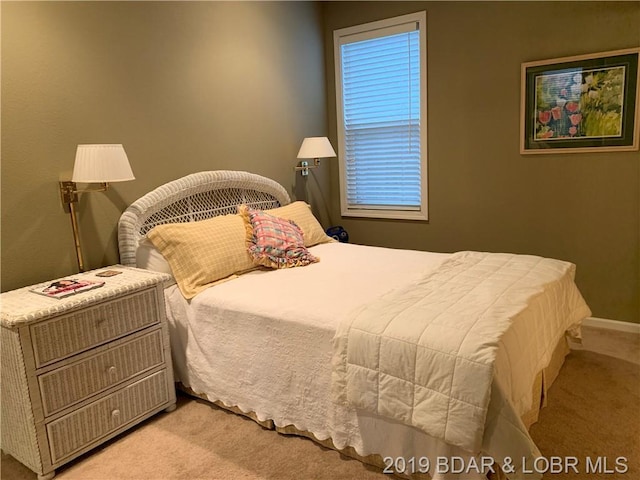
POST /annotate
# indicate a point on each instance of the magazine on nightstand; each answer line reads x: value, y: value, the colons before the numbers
x: 65, y: 286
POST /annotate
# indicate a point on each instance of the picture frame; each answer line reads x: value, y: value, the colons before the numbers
x: 584, y: 103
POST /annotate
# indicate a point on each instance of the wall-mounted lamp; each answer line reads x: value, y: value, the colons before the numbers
x: 94, y: 164
x: 316, y: 148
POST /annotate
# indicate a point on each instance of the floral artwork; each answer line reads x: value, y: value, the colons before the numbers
x: 582, y: 103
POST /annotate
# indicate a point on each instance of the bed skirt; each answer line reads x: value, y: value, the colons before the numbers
x: 539, y: 389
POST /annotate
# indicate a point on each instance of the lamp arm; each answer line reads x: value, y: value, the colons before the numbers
x: 104, y: 186
x: 69, y: 190
x: 304, y: 166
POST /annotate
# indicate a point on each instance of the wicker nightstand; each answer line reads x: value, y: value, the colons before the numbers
x: 79, y: 370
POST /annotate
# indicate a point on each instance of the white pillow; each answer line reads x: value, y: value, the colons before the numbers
x: 149, y: 258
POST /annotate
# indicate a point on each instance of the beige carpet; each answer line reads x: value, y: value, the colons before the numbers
x: 593, y: 410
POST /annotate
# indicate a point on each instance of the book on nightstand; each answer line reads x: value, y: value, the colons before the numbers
x: 65, y: 286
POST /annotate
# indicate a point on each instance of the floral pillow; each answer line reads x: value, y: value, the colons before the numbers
x: 274, y: 242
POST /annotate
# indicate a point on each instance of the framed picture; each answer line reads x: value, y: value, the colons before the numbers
x: 584, y: 103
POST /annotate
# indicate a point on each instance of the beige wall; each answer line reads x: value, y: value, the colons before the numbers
x: 184, y: 86
x: 484, y: 195
x: 236, y: 85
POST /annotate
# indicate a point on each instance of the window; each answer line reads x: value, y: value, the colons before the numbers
x: 381, y: 92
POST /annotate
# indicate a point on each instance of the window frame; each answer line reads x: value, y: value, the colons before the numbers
x: 368, y: 31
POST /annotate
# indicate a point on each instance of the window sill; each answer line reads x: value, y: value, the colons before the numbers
x: 387, y: 214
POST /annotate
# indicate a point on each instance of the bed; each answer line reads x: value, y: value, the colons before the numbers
x: 307, y: 351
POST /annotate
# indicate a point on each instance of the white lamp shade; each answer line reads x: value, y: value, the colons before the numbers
x: 101, y: 163
x: 316, y: 147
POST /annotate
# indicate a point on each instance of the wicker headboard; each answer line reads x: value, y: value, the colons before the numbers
x: 195, y: 197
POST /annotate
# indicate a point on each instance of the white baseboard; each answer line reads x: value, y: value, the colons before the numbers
x: 612, y: 324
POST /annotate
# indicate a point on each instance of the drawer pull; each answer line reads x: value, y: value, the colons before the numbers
x: 115, y: 415
x: 111, y: 370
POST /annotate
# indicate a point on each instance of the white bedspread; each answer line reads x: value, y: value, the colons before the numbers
x: 264, y: 343
x: 425, y: 354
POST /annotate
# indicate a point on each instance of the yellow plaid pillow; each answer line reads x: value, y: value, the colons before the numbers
x: 300, y: 213
x: 203, y: 253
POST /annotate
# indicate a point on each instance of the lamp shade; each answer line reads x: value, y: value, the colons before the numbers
x: 316, y: 147
x: 101, y: 163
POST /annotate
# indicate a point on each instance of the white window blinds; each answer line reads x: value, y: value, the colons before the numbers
x: 381, y: 118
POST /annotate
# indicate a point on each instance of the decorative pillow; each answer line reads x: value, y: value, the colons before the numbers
x: 274, y: 242
x: 301, y: 214
x: 203, y: 253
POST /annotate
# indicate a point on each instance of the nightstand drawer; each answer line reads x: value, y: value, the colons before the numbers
x: 89, y: 424
x: 75, y: 332
x: 75, y: 382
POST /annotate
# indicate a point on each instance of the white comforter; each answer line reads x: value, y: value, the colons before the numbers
x: 425, y: 354
x: 263, y: 343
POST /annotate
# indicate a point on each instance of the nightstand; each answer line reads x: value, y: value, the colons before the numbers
x: 79, y: 370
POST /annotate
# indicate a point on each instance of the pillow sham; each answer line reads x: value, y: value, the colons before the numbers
x: 274, y: 242
x: 300, y: 213
x: 203, y: 253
